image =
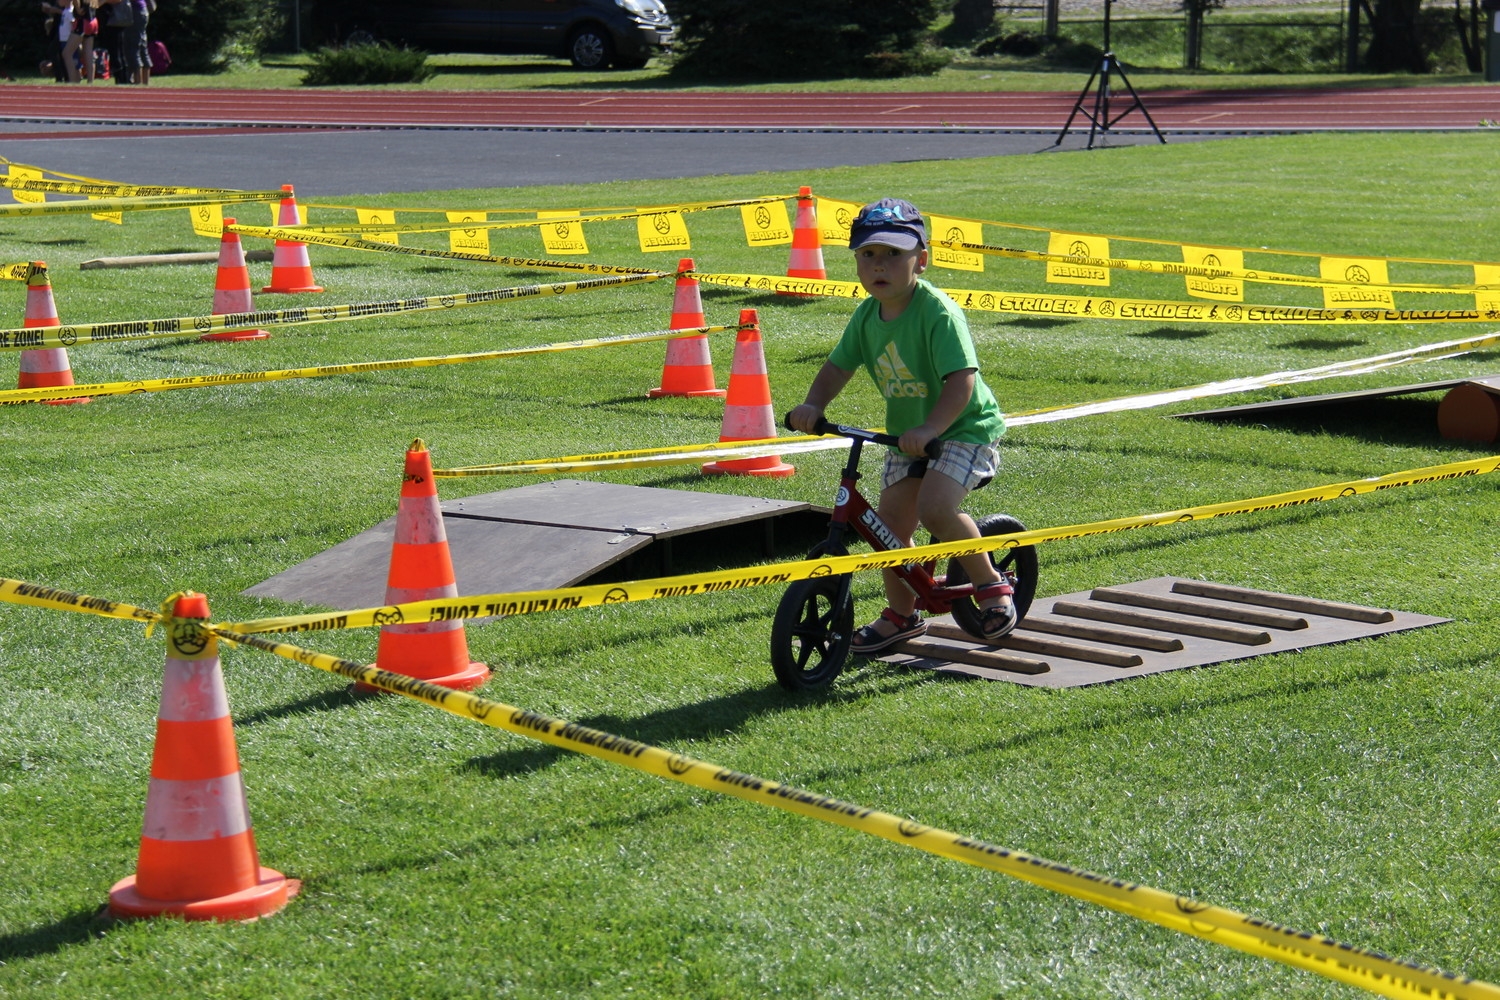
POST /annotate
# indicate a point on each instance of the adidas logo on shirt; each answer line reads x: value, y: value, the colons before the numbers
x: 895, y: 378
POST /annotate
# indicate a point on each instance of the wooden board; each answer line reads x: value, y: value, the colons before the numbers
x: 539, y: 537
x: 1137, y: 629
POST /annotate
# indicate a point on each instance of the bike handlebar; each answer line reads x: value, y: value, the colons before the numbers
x: 934, y: 447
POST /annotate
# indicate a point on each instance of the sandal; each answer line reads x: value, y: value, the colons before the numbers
x: 868, y: 639
x: 1001, y: 620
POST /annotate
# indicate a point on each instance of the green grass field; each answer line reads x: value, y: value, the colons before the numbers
x: 1350, y: 790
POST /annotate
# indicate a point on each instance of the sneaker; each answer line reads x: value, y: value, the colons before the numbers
x: 868, y: 639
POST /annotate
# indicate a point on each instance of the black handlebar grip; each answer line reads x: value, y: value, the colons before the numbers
x: 934, y: 449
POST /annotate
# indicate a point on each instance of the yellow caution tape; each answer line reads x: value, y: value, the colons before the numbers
x: 302, y: 235
x: 69, y: 335
x: 1112, y: 308
x: 777, y: 283
x: 96, y: 182
x: 594, y: 215
x: 41, y: 394
x: 151, y: 204
x: 36, y: 595
x: 1369, y: 970
x: 644, y: 457
x: 534, y: 601
x: 15, y: 272
x: 108, y: 188
x: 1155, y: 241
x: 1176, y: 269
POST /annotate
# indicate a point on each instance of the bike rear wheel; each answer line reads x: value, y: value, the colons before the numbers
x: 1019, y: 565
x: 812, y: 631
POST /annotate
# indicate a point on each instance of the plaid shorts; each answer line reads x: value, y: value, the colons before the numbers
x: 970, y: 465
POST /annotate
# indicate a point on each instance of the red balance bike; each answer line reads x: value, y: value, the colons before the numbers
x: 814, y: 623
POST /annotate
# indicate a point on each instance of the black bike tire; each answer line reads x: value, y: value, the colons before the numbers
x: 811, y: 627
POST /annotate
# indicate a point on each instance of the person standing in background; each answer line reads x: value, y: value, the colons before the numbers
x: 85, y: 21
x: 137, y: 64
x: 112, y: 28
x: 59, y: 29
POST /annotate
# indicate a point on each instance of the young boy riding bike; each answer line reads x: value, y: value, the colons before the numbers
x: 914, y: 341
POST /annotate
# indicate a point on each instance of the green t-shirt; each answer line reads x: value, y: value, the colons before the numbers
x: 908, y: 358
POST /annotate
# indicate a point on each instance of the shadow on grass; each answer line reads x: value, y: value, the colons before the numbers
x: 488, y: 846
x: 322, y: 702
x: 713, y: 717
x: 505, y: 69
x: 1038, y: 322
x: 1172, y: 333
x: 1322, y: 344
x: 76, y: 928
x: 667, y: 83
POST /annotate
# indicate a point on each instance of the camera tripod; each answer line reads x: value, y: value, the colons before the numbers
x: 1100, y: 118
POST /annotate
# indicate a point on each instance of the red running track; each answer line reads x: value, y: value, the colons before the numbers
x: 1384, y: 109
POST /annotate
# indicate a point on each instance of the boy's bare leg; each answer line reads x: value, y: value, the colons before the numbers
x: 898, y: 509
x: 938, y: 510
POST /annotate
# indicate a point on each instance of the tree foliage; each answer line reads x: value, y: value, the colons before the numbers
x: 797, y: 39
x: 204, y: 35
x: 1400, y: 43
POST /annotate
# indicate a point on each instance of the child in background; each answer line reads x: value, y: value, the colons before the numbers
x: 915, y: 343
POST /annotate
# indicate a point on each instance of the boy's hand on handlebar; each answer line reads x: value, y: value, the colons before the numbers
x: 805, y: 418
x: 916, y: 440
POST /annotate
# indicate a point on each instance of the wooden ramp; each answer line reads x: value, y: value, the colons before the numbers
x: 1246, y: 410
x: 1166, y: 623
x: 562, y: 533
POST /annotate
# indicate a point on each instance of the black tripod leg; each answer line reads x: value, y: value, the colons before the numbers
x: 1083, y: 96
x: 1136, y: 102
x: 1101, y: 101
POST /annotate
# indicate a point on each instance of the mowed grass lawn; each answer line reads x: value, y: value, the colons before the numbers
x: 1351, y: 790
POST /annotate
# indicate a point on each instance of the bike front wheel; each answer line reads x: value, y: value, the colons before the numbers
x: 812, y: 631
x: 1018, y: 565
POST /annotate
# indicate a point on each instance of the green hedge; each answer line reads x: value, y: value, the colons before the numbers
x: 375, y: 62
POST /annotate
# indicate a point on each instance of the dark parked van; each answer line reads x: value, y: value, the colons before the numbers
x: 592, y: 33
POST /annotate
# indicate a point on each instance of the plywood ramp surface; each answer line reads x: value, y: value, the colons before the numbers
x: 540, y: 537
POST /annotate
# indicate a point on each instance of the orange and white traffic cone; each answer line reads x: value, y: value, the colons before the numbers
x: 47, y: 366
x: 748, y: 415
x: 232, y: 288
x: 197, y: 859
x: 806, y: 260
x: 422, y: 570
x: 689, y: 370
x: 291, y: 271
